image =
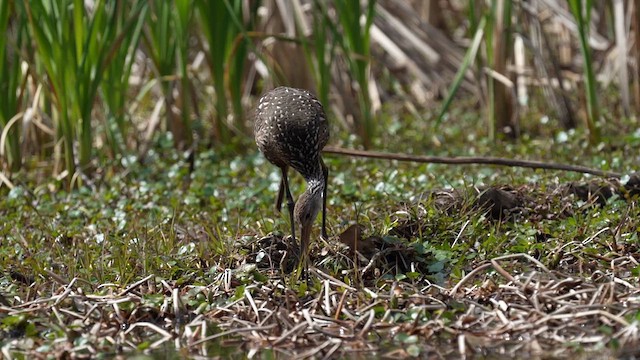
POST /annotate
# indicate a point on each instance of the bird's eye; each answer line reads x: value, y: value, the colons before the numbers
x: 307, y: 216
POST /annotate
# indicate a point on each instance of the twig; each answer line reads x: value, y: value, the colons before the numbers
x: 291, y: 332
x: 134, y: 285
x: 467, y: 277
x: 469, y: 160
x: 602, y: 313
x: 66, y: 292
x: 231, y: 332
x: 332, y: 279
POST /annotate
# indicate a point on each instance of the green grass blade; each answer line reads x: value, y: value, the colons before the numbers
x: 10, y: 82
x: 74, y: 55
x: 227, y: 39
x: 115, y: 83
x: 582, y: 13
x: 237, y: 57
x: 182, y: 18
x: 469, y: 56
x: 356, y: 46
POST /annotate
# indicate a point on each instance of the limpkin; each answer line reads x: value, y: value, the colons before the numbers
x: 291, y: 129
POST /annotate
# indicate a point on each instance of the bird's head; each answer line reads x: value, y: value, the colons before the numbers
x: 306, y: 211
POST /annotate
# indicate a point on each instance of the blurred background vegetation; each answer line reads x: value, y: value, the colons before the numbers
x: 84, y: 83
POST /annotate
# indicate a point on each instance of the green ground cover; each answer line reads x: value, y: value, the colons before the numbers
x: 153, y: 256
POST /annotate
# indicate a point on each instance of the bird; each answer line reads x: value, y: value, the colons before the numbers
x: 291, y: 129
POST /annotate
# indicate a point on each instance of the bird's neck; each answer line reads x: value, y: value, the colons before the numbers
x: 315, y: 185
x: 315, y: 177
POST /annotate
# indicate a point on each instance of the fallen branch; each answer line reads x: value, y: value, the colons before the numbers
x: 477, y: 160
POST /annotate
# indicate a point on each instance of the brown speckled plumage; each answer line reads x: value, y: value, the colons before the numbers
x: 291, y: 129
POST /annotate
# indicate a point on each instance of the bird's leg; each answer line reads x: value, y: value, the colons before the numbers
x: 304, y: 260
x: 280, y: 195
x: 305, y: 237
x: 325, y: 173
x: 290, y: 203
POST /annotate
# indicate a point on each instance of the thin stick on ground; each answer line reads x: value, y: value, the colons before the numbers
x: 471, y: 160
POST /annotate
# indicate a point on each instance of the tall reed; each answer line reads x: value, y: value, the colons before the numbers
x: 221, y: 23
x: 581, y: 11
x: 10, y: 83
x: 74, y: 45
x: 319, y: 51
x: 356, y: 44
x: 489, y: 49
x: 166, y: 38
x: 114, y: 86
x: 467, y: 62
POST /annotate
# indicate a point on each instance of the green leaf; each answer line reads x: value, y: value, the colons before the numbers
x: 469, y: 56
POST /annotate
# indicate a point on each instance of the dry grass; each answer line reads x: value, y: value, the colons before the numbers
x: 518, y: 306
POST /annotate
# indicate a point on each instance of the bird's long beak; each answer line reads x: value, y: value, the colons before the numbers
x: 304, y: 243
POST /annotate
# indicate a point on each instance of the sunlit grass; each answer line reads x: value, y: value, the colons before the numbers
x: 166, y: 240
x: 189, y: 231
x: 73, y: 51
x: 356, y: 21
x: 11, y: 84
x: 160, y: 211
x: 581, y: 11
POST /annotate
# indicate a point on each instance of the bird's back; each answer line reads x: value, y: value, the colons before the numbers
x: 291, y: 128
